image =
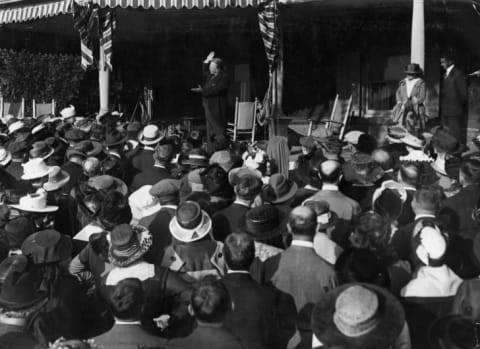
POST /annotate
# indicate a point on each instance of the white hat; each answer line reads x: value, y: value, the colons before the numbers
x: 5, y: 156
x: 57, y: 178
x: 433, y: 244
x: 352, y: 137
x: 150, y: 135
x: 412, y: 141
x: 35, y: 203
x: 35, y: 168
x: 68, y: 112
x: 439, y: 166
x: 14, y: 127
x: 392, y: 185
x: 142, y: 203
x: 38, y: 128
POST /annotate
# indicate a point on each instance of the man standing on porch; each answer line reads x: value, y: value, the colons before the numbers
x: 453, y: 98
x: 214, y: 98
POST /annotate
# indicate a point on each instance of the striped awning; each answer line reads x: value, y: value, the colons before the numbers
x: 177, y: 4
x: 34, y: 11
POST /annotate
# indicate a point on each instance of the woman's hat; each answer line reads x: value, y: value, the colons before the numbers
x: 17, y: 230
x: 15, y: 126
x: 413, y: 69
x: 325, y: 217
x: 142, y: 203
x: 413, y: 141
x: 35, y: 203
x: 115, y: 137
x: 361, y: 170
x: 128, y: 243
x: 359, y: 316
x: 47, y: 246
x: 56, y: 179
x: 41, y: 150
x: 236, y: 174
x: 5, y: 156
x: 279, y: 189
x: 35, y: 168
x: 396, y: 133
x: 196, y: 157
x: 90, y: 148
x: 68, y: 112
x: 190, y: 223
x: 21, y: 291
x: 150, y: 135
x: 108, y: 183
x: 263, y: 222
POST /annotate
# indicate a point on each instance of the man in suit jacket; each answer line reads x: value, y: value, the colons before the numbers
x: 149, y: 137
x: 453, y: 98
x: 210, y: 303
x: 299, y: 271
x: 127, y: 302
x: 227, y: 220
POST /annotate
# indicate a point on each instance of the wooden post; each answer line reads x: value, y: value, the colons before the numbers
x: 103, y: 82
x: 418, y: 33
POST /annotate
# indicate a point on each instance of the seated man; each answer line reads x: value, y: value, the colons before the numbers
x: 210, y: 303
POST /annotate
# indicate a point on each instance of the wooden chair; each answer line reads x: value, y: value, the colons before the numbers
x: 245, y: 120
x: 43, y: 108
x: 17, y: 109
x: 338, y: 118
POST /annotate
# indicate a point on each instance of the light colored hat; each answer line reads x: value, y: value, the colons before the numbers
x: 439, y: 166
x: 56, y: 179
x: 5, y: 156
x: 35, y: 203
x: 142, y: 203
x: 412, y: 141
x: 352, y: 137
x: 38, y: 128
x: 68, y: 112
x: 190, y: 223
x: 150, y: 135
x: 392, y: 185
x: 14, y: 127
x: 35, y: 168
x: 433, y: 244
x: 222, y: 158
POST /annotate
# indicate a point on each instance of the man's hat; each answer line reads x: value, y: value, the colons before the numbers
x: 150, y: 135
x: 69, y: 112
x: 264, y: 222
x: 108, y: 183
x: 35, y: 203
x: 223, y: 158
x: 279, y: 189
x: 114, y: 137
x: 167, y: 190
x: 190, y: 223
x: 413, y: 69
x: 21, y: 290
x: 57, y: 178
x: 5, y: 156
x: 89, y: 148
x: 75, y: 135
x: 35, y: 168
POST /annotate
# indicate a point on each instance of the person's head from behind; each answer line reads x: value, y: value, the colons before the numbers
x: 383, y: 158
x: 426, y: 201
x: 453, y: 332
x: 446, y: 60
x: 216, y: 66
x: 302, y: 223
x: 239, y: 251
x: 371, y: 232
x: 210, y: 301
x: 469, y: 172
x: 127, y: 299
x: 248, y: 188
x: 331, y: 171
x: 409, y: 174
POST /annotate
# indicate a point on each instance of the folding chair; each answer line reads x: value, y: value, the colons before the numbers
x: 43, y: 108
x: 17, y: 109
x: 245, y: 119
x: 340, y: 114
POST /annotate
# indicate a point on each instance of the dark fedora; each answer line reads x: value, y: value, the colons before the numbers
x: 325, y: 217
x: 413, y: 69
x: 358, y: 315
x: 89, y: 147
x: 47, y: 246
x: 114, y: 137
x: 75, y: 135
x: 264, y: 222
x: 279, y: 189
x: 41, y: 150
x: 17, y: 230
x: 21, y: 291
x: 128, y: 243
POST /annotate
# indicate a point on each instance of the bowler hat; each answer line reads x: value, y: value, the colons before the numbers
x: 279, y: 189
x: 413, y: 69
x: 128, y: 243
x: 47, y: 246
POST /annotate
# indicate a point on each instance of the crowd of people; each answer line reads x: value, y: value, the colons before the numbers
x: 121, y: 235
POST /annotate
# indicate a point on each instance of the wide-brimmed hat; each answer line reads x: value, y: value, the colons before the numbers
x: 413, y: 69
x: 68, y: 112
x: 115, y: 137
x: 196, y: 157
x: 5, y: 156
x: 75, y: 135
x: 21, y: 290
x: 128, y: 243
x: 15, y: 126
x: 190, y: 223
x: 264, y: 222
x: 150, y: 135
x: 47, y: 246
x: 35, y: 168
x: 236, y: 174
x: 108, y: 183
x: 142, y: 203
x: 413, y: 141
x: 74, y: 152
x: 41, y: 150
x: 167, y: 190
x: 358, y: 315
x: 35, y: 203
x: 223, y: 158
x: 279, y: 189
x: 352, y: 137
x: 17, y: 230
x: 56, y: 179
x: 361, y: 170
x: 89, y: 147
x: 396, y: 133
x: 325, y: 217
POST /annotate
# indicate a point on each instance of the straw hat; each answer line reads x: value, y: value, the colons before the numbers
x: 56, y: 179
x: 35, y: 203
x: 15, y: 126
x: 35, y: 168
x: 5, y: 156
x: 190, y: 223
x: 68, y: 112
x: 150, y: 135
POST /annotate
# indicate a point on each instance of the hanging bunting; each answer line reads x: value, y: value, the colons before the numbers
x: 107, y: 24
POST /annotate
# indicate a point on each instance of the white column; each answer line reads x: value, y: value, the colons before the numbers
x: 103, y: 82
x: 418, y: 33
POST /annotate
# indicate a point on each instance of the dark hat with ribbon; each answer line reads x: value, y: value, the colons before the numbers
x: 264, y: 222
x: 128, y: 243
x: 47, y: 246
x: 279, y: 189
x: 413, y: 69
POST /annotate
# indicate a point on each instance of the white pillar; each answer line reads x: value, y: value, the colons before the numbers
x: 103, y: 82
x: 418, y: 33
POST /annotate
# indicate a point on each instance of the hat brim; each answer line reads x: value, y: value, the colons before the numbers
x: 439, y: 170
x: 412, y: 72
x: 144, y: 243
x: 391, y: 321
x: 46, y: 209
x: 393, y: 140
x: 34, y: 176
x: 236, y: 174
x: 55, y: 186
x: 97, y: 149
x: 12, y: 305
x: 7, y: 160
x: 50, y: 153
x: 186, y: 235
x: 150, y: 142
x: 118, y: 142
x: 267, y: 233
x: 290, y: 194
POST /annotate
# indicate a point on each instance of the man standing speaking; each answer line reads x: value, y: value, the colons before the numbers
x: 214, y: 97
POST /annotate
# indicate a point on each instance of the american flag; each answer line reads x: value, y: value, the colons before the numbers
x: 267, y: 20
x: 84, y: 19
x: 476, y: 5
x: 107, y: 24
